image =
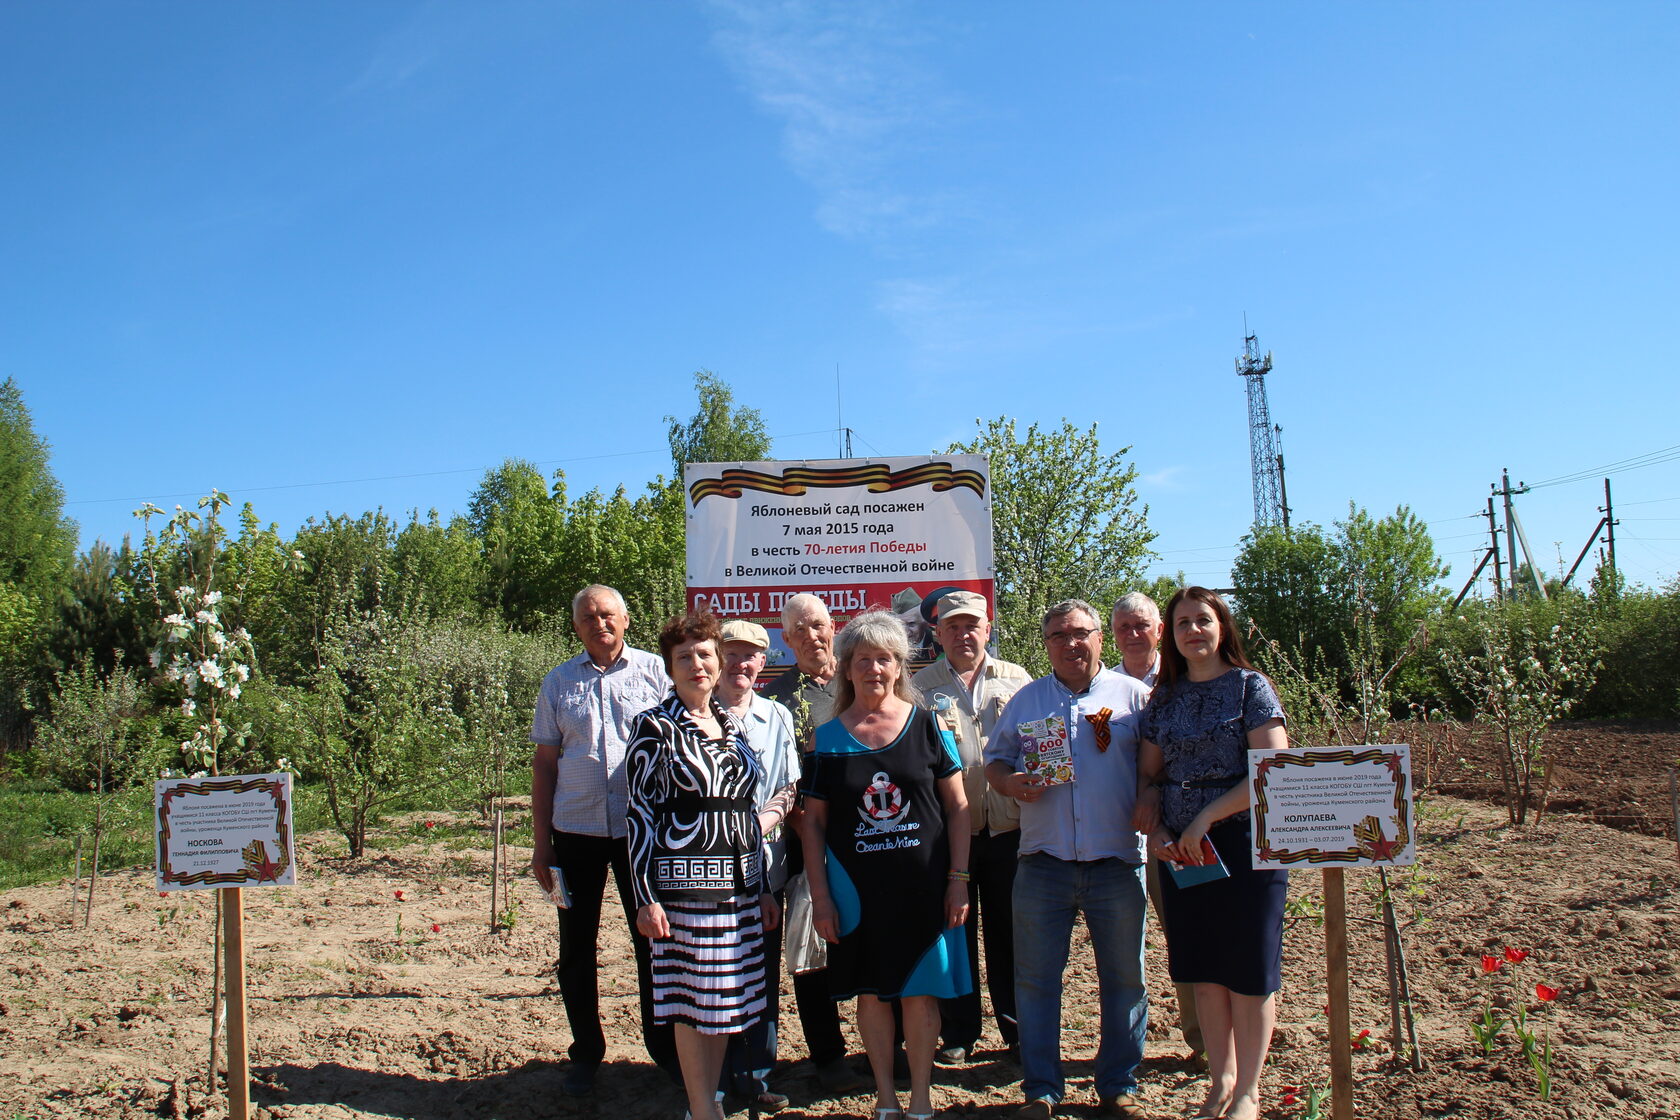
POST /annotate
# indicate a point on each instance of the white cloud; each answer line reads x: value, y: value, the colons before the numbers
x: 401, y: 54
x: 852, y: 100
x: 1167, y: 478
x: 934, y: 315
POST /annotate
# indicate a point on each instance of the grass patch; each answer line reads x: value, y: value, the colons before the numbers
x: 39, y: 823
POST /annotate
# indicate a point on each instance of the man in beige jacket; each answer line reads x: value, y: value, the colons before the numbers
x: 967, y: 691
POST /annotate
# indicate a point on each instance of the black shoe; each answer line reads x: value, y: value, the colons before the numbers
x: 952, y: 1055
x: 579, y: 1081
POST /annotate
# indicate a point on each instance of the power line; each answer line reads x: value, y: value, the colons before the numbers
x: 1648, y: 459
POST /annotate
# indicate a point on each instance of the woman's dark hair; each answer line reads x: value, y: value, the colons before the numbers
x: 690, y: 627
x: 1174, y: 667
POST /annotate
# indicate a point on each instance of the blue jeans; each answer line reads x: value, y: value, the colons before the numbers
x: 1049, y: 892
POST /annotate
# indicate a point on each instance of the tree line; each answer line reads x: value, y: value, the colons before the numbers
x: 389, y: 656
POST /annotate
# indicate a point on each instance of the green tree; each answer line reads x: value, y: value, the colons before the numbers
x: 492, y: 676
x: 371, y: 722
x: 37, y: 547
x: 102, y: 616
x: 1287, y: 583
x: 1527, y: 664
x: 442, y: 560
x: 520, y: 523
x: 1066, y: 523
x: 1640, y: 629
x: 100, y: 738
x: 37, y: 542
x: 1387, y: 567
x: 541, y: 545
x: 719, y: 431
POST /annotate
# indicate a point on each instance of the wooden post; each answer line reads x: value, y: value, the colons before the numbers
x: 1336, y: 976
x: 495, y: 866
x: 76, y: 882
x: 1674, y: 806
x: 238, y: 1057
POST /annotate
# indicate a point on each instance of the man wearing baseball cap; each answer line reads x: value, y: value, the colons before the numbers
x: 768, y: 728
x: 967, y: 691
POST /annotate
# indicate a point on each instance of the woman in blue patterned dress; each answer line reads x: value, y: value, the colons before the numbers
x: 1209, y: 708
x: 696, y: 856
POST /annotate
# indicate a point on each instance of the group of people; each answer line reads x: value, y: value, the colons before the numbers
x: 911, y: 811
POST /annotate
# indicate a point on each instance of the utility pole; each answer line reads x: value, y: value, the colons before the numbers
x: 1493, y: 540
x: 1607, y: 526
x: 1510, y: 537
x: 1514, y: 536
x: 1609, y: 512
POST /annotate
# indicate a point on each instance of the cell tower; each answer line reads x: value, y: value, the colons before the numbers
x: 1271, y: 504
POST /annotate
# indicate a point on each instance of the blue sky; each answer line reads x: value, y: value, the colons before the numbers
x: 331, y: 257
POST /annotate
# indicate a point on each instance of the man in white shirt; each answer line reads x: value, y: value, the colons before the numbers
x: 579, y: 798
x: 967, y: 691
x: 1137, y: 627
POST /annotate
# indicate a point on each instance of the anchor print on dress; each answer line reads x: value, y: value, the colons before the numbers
x: 883, y: 807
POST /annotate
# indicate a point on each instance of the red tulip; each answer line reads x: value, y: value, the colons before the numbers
x: 436, y: 928
x: 1289, y: 1099
x: 1489, y: 964
x: 431, y: 824
x: 1515, y: 956
x: 398, y: 895
x: 1545, y: 994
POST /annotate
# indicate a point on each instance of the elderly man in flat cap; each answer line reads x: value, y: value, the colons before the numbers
x: 967, y: 691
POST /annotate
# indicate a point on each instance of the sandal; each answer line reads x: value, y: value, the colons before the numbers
x: 888, y: 1113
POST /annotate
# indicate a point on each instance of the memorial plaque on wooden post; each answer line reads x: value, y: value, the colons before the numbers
x: 226, y: 833
x: 1333, y: 808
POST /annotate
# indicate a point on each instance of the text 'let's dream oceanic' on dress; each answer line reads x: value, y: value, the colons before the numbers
x: 1228, y: 931
x: 887, y: 860
x: 696, y: 850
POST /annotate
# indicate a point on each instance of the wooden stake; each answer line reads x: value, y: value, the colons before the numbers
x: 76, y: 882
x: 1674, y: 805
x: 93, y: 879
x: 238, y: 1056
x: 216, y: 959
x: 495, y: 866
x: 1336, y: 976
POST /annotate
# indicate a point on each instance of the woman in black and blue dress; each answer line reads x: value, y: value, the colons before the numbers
x: 1209, y: 708
x: 696, y: 861
x: 886, y: 807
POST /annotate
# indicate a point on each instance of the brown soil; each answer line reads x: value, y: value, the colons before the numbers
x: 349, y: 1020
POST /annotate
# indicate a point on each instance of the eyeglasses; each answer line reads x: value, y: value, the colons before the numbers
x: 1062, y: 637
x: 1134, y: 627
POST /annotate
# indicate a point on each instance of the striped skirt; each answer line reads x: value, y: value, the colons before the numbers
x: 709, y: 973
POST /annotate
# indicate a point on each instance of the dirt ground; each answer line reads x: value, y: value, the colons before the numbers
x: 360, y: 1008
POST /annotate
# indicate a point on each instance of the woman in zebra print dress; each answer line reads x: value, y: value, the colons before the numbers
x: 696, y: 857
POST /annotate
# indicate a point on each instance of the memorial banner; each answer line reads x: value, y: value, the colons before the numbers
x: 231, y: 831
x: 857, y: 533
x: 1332, y: 806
